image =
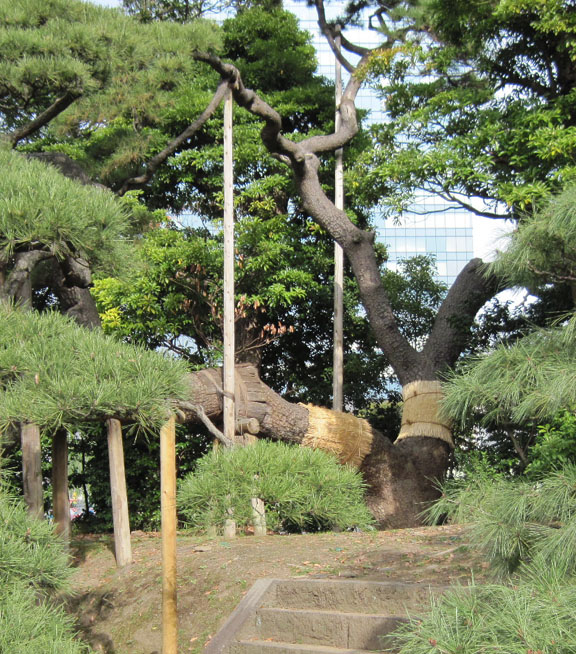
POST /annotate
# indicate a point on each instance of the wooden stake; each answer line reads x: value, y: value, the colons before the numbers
x: 60, y: 498
x: 229, y: 346
x: 229, y: 528
x: 258, y: 516
x: 168, y: 505
x: 338, y: 354
x: 120, y: 514
x: 32, y: 469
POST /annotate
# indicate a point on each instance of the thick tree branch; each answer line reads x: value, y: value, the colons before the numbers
x: 357, y: 244
x: 17, y: 282
x: 44, y: 118
x: 468, y: 294
x: 272, y: 132
x: 326, y: 30
x: 172, y: 147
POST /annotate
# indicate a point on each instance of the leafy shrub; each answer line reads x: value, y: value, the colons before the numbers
x: 555, y: 446
x: 523, y: 527
x: 302, y: 488
x: 29, y: 551
x: 33, y: 563
x: 29, y: 627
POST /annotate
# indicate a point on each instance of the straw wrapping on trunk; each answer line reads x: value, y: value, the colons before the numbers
x: 421, y: 415
x: 346, y: 436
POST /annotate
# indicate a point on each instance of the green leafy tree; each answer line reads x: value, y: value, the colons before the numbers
x: 183, y: 11
x: 480, y: 103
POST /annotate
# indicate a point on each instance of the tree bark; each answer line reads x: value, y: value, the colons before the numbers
x: 400, y: 476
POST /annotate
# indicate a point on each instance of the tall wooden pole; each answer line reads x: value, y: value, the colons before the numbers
x: 338, y: 354
x: 228, y: 372
x: 168, y: 507
x: 120, y: 515
x: 60, y: 498
x: 32, y: 469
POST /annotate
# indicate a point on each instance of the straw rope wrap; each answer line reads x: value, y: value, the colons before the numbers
x: 346, y: 436
x: 421, y: 414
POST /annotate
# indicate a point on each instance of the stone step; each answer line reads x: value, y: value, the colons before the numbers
x: 277, y: 647
x: 355, y: 596
x: 330, y: 628
x: 319, y: 616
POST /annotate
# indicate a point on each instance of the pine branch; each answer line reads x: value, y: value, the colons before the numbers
x: 172, y: 147
x: 44, y: 118
x: 357, y: 244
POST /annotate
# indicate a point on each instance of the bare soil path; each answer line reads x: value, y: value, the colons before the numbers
x: 119, y: 612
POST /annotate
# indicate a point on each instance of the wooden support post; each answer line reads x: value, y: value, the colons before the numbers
x: 32, y: 469
x: 229, y: 346
x: 229, y: 528
x: 120, y: 515
x: 168, y: 506
x: 338, y: 354
x: 229, y: 523
x: 60, y: 498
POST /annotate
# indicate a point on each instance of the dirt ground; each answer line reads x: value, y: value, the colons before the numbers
x: 120, y: 612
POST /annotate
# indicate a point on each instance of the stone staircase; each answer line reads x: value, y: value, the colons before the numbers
x: 319, y: 616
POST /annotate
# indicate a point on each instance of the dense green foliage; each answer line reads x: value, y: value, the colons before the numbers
x: 523, y: 619
x: 554, y: 446
x: 29, y: 552
x: 302, y: 488
x: 42, y: 210
x: 57, y: 374
x: 480, y: 103
x: 183, y: 11
x: 119, y: 76
x: 532, y: 379
x: 32, y: 563
x: 517, y: 524
x: 523, y: 528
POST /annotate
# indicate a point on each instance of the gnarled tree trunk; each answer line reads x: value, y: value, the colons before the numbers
x: 400, y: 475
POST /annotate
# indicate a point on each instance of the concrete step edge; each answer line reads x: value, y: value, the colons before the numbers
x: 300, y: 647
x: 280, y: 610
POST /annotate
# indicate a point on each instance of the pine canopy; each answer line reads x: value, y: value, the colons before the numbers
x: 42, y: 209
x: 57, y: 374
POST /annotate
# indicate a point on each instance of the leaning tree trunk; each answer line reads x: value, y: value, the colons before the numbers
x: 400, y: 475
